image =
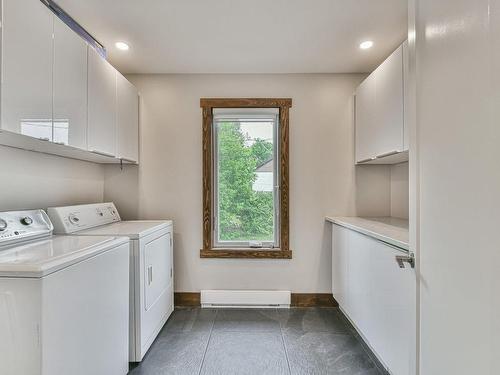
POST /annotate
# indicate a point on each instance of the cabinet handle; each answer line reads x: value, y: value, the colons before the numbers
x: 44, y: 139
x: 127, y: 159
x: 365, y: 160
x: 402, y: 259
x: 388, y: 154
x: 60, y: 143
x: 102, y: 153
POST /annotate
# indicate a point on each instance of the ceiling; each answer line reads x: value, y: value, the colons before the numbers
x: 241, y: 36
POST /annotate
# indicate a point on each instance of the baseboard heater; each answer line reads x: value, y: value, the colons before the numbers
x: 246, y: 298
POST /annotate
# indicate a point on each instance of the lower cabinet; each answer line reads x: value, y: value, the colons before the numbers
x: 376, y: 295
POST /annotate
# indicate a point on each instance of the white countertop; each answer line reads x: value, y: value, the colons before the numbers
x: 391, y: 230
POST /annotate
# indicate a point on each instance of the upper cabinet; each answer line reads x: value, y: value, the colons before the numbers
x: 58, y: 95
x: 380, y: 120
x: 70, y: 87
x: 366, y: 119
x: 406, y: 88
x: 27, y: 58
x: 102, y: 105
x: 127, y: 112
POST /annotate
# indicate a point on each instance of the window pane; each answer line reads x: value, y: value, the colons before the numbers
x: 245, y: 180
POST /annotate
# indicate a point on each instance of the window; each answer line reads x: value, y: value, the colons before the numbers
x: 245, y: 185
x: 245, y: 178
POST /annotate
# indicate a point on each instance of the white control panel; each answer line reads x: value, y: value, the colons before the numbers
x: 75, y: 218
x: 18, y: 226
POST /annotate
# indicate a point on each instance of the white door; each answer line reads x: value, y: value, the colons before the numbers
x: 70, y: 87
x: 458, y: 138
x: 102, y: 105
x: 27, y: 48
x: 127, y: 119
x: 157, y: 282
x: 158, y: 268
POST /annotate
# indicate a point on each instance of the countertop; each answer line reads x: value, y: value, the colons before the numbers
x: 391, y: 230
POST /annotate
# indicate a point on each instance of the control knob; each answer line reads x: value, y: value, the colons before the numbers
x: 3, y: 225
x: 73, y: 219
x: 27, y: 220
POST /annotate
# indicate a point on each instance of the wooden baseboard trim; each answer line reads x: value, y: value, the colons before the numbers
x: 313, y: 300
x: 192, y: 299
x: 183, y: 299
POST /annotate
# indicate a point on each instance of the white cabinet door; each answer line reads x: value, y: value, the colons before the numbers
x: 27, y: 59
x: 380, y: 110
x: 127, y: 119
x: 102, y: 105
x: 70, y: 87
x: 388, y: 325
x: 365, y: 119
x: 389, y: 119
x: 376, y: 295
x: 359, y: 279
x: 340, y: 237
x: 406, y: 97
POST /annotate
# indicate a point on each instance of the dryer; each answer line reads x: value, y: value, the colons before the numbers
x: 63, y: 300
x: 151, y: 264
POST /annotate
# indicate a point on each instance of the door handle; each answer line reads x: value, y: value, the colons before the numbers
x: 150, y: 275
x: 402, y: 259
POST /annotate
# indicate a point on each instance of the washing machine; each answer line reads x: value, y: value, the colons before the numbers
x: 151, y: 264
x: 63, y: 300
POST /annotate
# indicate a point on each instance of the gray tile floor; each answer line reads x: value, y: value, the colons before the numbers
x: 258, y: 342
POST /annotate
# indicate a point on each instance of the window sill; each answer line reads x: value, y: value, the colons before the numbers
x: 246, y: 253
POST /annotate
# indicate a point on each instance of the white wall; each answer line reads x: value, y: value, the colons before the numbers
x: 400, y: 190
x: 34, y: 180
x: 323, y: 180
x: 122, y: 188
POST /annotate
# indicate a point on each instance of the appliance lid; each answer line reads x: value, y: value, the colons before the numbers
x: 39, y: 258
x: 133, y: 229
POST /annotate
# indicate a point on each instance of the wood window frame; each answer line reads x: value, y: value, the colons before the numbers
x: 207, y: 105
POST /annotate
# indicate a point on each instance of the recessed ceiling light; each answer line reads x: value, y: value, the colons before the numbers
x: 366, y: 44
x: 122, y: 46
